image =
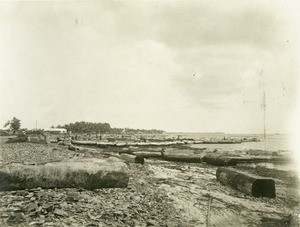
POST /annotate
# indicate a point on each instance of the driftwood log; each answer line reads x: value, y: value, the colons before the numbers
x: 251, y: 185
x: 148, y: 154
x: 220, y: 160
x: 18, y: 139
x: 126, y: 152
x: 75, y: 173
x: 191, y: 158
x: 89, y: 143
x: 132, y: 158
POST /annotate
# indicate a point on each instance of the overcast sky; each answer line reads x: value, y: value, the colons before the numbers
x: 191, y: 66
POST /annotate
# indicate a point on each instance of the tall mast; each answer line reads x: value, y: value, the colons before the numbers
x: 263, y: 104
x: 264, y: 110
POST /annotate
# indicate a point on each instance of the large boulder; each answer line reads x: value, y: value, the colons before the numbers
x: 88, y: 173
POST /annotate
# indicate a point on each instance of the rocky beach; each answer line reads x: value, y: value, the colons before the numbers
x: 159, y: 193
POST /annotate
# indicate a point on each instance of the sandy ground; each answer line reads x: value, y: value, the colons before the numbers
x: 159, y: 193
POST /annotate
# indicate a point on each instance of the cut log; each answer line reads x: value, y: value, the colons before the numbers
x: 251, y: 185
x: 220, y: 160
x: 191, y: 158
x: 132, y: 158
x: 89, y: 143
x: 252, y: 159
x: 74, y: 148
x: 18, y: 139
x: 148, y: 154
x: 263, y: 159
x: 74, y: 173
x: 125, y: 152
x: 286, y: 172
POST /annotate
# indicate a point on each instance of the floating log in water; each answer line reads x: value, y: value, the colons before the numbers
x: 191, y: 158
x: 74, y: 173
x: 251, y: 185
x: 220, y: 160
x: 148, y: 154
x: 132, y: 158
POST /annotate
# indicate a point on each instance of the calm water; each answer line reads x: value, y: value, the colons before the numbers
x: 273, y: 142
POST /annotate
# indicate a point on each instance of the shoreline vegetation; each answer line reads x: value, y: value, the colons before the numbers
x: 101, y: 128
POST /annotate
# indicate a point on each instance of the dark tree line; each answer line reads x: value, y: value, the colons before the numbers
x: 100, y: 128
x: 87, y: 127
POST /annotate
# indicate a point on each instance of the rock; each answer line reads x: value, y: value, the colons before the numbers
x: 151, y: 222
x: 16, y: 218
x: 29, y: 195
x: 32, y: 207
x: 89, y: 173
x: 72, y: 199
x: 59, y: 212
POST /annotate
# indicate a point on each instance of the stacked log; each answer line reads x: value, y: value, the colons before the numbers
x: 249, y: 184
x: 79, y: 173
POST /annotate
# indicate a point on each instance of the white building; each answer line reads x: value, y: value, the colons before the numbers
x: 56, y: 130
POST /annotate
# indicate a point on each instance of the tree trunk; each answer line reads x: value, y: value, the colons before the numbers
x: 191, y: 158
x: 148, y: 154
x: 251, y: 185
x: 75, y: 173
x: 132, y: 158
x: 126, y: 152
x: 220, y: 160
x: 89, y: 143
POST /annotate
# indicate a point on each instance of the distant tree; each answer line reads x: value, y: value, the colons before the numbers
x: 14, y: 124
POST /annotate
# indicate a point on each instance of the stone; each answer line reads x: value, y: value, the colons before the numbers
x: 59, y: 212
x: 16, y: 218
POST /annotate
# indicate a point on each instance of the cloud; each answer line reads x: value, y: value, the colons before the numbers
x: 132, y: 63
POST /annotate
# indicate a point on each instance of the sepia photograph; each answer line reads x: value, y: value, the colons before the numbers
x: 172, y: 113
